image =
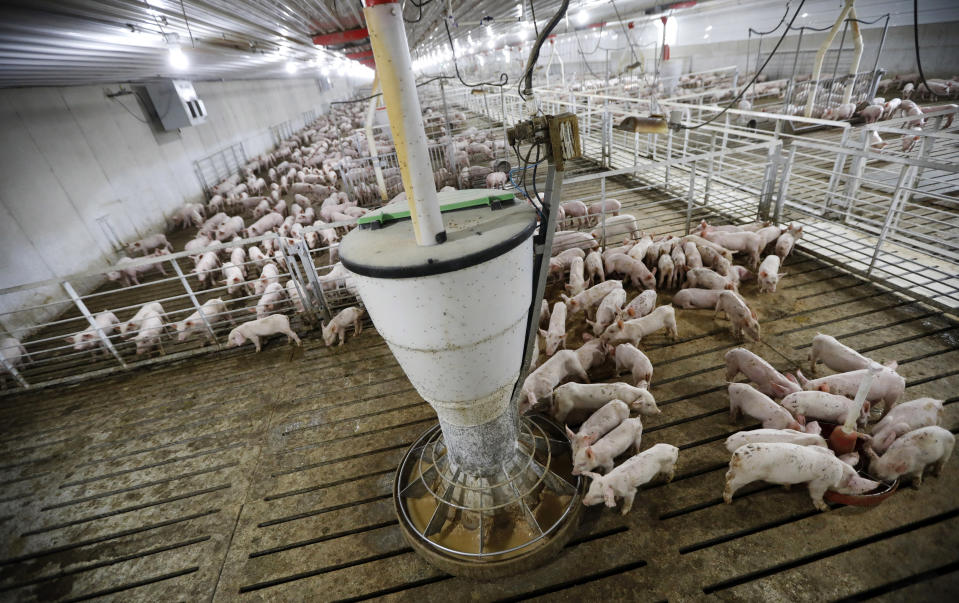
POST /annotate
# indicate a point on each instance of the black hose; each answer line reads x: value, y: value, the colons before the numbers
x: 534, y: 52
x: 915, y: 32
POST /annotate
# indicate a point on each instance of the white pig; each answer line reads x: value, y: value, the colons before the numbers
x: 636, y: 270
x: 640, y: 306
x: 207, y: 263
x: 627, y: 434
x: 88, y: 338
x: 769, y: 274
x: 591, y: 297
x: 555, y: 336
x: 594, y: 268
x: 623, y: 481
x: 744, y: 399
x: 541, y: 382
x: 577, y: 277
x: 770, y: 381
x: 338, y: 326
x: 608, y: 311
x: 269, y: 275
x: 912, y: 453
x: 697, y: 298
x: 272, y: 295
x: 151, y: 329
x: 838, y: 357
x: 632, y: 360
x: 787, y: 464
x: 598, y: 424
x: 573, y: 396
x: 262, y: 327
x: 214, y: 310
x: 148, y: 244
x: 704, y: 278
x: 560, y: 263
x: 824, y: 406
x: 632, y: 331
x: 887, y: 387
x: 904, y: 418
x: 134, y: 323
x: 758, y: 436
x: 745, y: 242
x: 232, y: 277
x: 742, y: 320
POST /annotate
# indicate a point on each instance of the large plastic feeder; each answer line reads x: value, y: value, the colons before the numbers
x: 483, y: 494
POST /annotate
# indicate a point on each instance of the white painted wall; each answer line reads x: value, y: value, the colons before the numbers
x: 69, y: 155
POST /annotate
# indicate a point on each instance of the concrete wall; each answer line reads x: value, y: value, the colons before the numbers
x: 70, y: 155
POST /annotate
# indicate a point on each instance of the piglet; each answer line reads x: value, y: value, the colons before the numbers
x: 148, y: 336
x: 742, y: 320
x: 262, y: 327
x: 744, y: 399
x: 568, y: 239
x: 787, y: 464
x: 104, y: 322
x: 787, y: 240
x: 837, y: 356
x: 560, y: 263
x: 148, y: 244
x: 887, y: 387
x: 608, y: 311
x: 214, y: 311
x: 540, y: 383
x: 697, y: 298
x: 632, y: 331
x: 544, y: 315
x: 912, y: 453
x: 555, y: 336
x: 134, y: 323
x: 232, y: 277
x: 905, y: 417
x: 824, y: 406
x: 769, y: 274
x: 770, y: 381
x: 744, y: 242
x: 640, y: 306
x: 632, y: 360
x: 623, y: 481
x: 591, y: 297
x: 756, y: 436
x: 577, y: 277
x: 579, y: 396
x: 627, y: 434
x: 594, y: 268
x: 634, y: 269
x: 272, y: 296
x: 598, y: 424
x: 340, y: 323
x: 704, y: 278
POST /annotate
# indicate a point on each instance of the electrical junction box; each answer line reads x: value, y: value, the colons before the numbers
x: 176, y: 104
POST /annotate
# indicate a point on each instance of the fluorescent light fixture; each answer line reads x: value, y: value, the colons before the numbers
x: 706, y: 37
x: 491, y: 43
x: 582, y: 17
x: 178, y: 60
x: 804, y: 15
x: 709, y: 28
x: 291, y: 67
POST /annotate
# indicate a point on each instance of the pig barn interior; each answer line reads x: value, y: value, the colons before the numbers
x: 504, y: 300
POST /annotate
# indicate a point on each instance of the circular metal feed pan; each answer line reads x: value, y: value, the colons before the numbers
x: 496, y: 525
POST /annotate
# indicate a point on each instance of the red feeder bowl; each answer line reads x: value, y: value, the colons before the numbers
x: 840, y: 444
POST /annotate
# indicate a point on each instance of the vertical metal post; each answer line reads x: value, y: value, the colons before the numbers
x: 784, y: 186
x: 689, y: 196
x: 602, y: 209
x: 310, y: 269
x: 295, y: 271
x: 502, y: 98
x: 769, y: 181
x: 792, y: 78
x: 93, y: 323
x: 669, y: 153
x: 196, y: 304
x: 725, y: 142
x: 709, y: 171
x: 842, y: 40
x: 836, y: 169
x: 857, y: 165
x: 908, y: 175
x: 450, y: 158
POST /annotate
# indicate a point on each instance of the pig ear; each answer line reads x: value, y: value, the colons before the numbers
x: 899, y: 468
x: 730, y: 287
x: 589, y: 453
x: 620, y: 323
x: 631, y: 312
x: 753, y: 313
x: 891, y: 365
x: 824, y: 387
x: 542, y: 333
x: 587, y: 336
x: 763, y: 274
x: 253, y: 310
x: 68, y: 339
x: 569, y: 433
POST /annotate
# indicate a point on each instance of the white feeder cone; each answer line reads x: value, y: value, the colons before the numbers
x: 459, y: 337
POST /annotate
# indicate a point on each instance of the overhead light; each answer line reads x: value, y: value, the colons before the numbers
x: 804, y: 15
x: 178, y: 60
x: 582, y: 17
x: 491, y: 43
x: 291, y: 67
x: 709, y: 28
x: 706, y: 37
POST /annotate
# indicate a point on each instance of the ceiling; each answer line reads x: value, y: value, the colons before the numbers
x: 70, y: 42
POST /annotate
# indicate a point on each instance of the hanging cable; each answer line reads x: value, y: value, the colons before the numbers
x: 739, y: 96
x: 378, y: 94
x: 532, y: 13
x: 622, y: 24
x: 915, y: 32
x: 534, y: 52
x: 503, y: 77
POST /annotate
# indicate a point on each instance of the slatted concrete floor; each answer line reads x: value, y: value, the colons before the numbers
x: 267, y: 477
